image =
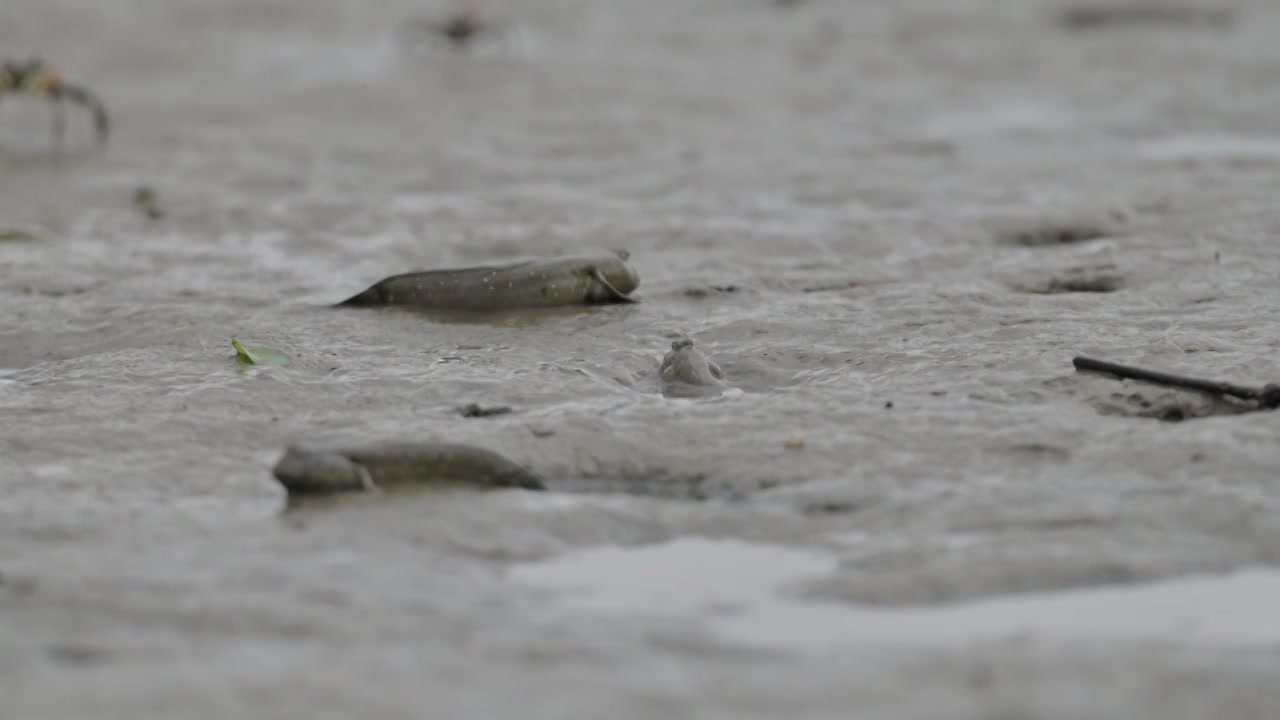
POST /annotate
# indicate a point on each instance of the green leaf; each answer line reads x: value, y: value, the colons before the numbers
x: 258, y: 356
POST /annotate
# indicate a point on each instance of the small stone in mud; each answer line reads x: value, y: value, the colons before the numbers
x: 1099, y: 278
x: 74, y: 654
x: 1097, y: 15
x: 19, y: 233
x: 1062, y: 227
x: 1051, y: 234
x: 144, y: 198
x: 888, y: 405
x: 795, y: 441
x: 834, y: 286
x: 701, y: 292
x: 541, y: 431
x: 476, y: 411
x: 461, y: 29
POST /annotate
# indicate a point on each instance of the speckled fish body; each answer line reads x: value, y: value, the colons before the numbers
x: 580, y: 280
x: 307, y: 470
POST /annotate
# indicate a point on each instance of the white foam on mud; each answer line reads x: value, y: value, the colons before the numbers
x: 741, y: 590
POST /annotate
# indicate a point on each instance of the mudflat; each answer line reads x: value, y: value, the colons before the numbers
x: 893, y: 225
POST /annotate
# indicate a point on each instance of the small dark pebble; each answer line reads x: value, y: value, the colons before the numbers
x: 1089, y: 17
x: 76, y: 654
x: 832, y: 507
x: 703, y: 292
x: 460, y: 29
x: 475, y: 411
x: 145, y: 199
x: 888, y: 405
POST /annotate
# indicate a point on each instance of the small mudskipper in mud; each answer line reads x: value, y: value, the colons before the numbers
x: 320, y: 469
x: 35, y: 78
x: 1267, y: 396
x: 686, y: 372
x: 597, y: 279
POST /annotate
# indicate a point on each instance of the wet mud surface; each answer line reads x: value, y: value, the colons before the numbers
x: 892, y: 225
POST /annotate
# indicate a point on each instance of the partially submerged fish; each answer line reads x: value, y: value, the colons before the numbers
x: 686, y: 371
x: 578, y: 280
x: 317, y: 470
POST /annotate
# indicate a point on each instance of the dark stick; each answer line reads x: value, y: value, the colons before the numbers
x: 476, y: 411
x: 1268, y: 395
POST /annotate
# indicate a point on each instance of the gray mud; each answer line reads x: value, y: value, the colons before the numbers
x: 848, y: 204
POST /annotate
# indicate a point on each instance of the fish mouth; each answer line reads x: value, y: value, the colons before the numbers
x: 373, y: 296
x: 614, y: 280
x: 289, y: 468
x: 301, y: 472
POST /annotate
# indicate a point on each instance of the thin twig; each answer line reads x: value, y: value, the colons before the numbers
x: 1268, y: 396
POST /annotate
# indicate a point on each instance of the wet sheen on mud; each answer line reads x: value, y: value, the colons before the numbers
x: 890, y: 225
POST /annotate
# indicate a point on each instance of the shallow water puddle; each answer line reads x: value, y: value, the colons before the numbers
x: 688, y: 575
x: 740, y: 589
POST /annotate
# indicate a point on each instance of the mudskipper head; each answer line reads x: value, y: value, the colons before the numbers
x: 303, y: 471
x: 615, y: 278
x: 377, y: 294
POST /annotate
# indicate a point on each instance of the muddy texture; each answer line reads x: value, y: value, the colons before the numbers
x: 849, y: 167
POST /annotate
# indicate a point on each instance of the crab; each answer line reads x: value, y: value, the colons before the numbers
x: 36, y: 78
